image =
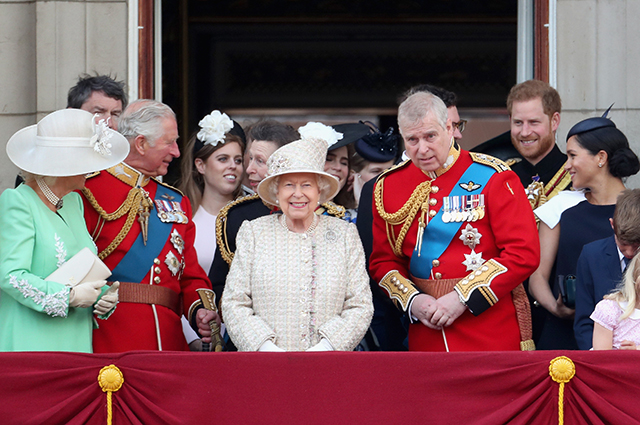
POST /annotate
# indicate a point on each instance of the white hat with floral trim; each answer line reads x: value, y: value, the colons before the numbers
x: 307, y: 155
x: 67, y: 142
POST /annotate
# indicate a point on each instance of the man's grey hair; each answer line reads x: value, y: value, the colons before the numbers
x: 144, y: 117
x: 415, y: 107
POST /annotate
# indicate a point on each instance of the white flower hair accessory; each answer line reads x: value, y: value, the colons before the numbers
x: 213, y: 127
x: 100, y: 139
x: 316, y: 130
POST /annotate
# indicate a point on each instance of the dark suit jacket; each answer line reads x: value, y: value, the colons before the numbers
x: 387, y: 319
x: 597, y: 273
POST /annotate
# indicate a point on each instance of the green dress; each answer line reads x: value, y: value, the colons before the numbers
x: 34, y: 241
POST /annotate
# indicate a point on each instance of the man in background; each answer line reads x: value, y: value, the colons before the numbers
x: 101, y: 95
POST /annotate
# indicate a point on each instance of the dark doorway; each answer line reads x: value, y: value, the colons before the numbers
x: 333, y: 57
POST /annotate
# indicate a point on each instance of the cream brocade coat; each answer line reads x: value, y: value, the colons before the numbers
x: 271, y: 293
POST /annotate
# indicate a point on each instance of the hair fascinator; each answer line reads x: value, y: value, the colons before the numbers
x: 377, y: 146
x: 213, y: 127
x: 591, y: 124
x: 316, y: 130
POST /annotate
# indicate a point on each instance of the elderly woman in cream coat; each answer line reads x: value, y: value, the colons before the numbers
x: 298, y: 280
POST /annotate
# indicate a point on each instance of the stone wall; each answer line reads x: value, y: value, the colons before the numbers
x: 598, y: 62
x: 44, y: 46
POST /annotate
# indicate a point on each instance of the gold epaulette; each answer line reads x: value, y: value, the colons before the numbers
x: 160, y: 182
x: 491, y: 161
x: 513, y: 161
x: 221, y: 226
x: 332, y: 209
x: 394, y: 168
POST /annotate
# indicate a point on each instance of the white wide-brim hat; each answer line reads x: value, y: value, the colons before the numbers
x: 67, y: 142
x: 301, y: 156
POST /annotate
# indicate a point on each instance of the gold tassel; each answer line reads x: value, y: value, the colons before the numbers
x: 561, y: 370
x: 110, y: 379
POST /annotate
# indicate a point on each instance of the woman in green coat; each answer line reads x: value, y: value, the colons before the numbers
x: 42, y: 227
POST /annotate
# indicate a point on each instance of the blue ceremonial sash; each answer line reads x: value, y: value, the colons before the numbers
x: 137, y: 262
x: 438, y: 234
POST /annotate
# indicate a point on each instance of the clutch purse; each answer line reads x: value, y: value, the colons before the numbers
x: 85, y: 266
x: 567, y: 286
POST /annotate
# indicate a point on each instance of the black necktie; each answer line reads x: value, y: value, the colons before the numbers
x: 626, y: 263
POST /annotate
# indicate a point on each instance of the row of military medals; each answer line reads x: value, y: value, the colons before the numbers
x: 463, y: 208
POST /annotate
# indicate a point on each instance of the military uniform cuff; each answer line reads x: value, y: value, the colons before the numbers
x: 400, y: 289
x: 475, y: 289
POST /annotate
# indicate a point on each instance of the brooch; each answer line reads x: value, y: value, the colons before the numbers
x: 470, y: 236
x: 177, y: 241
x: 172, y: 263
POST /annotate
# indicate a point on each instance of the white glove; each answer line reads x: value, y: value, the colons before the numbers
x: 107, y: 301
x: 323, y: 345
x: 270, y: 346
x: 85, y: 294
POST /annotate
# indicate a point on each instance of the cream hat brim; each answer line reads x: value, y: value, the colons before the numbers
x: 63, y: 156
x: 266, y: 193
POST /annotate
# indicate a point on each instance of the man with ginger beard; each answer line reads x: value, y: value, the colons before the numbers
x: 534, y: 111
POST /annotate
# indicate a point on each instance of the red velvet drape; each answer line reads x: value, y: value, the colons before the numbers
x: 319, y: 388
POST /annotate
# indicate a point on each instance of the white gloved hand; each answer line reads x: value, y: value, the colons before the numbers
x: 107, y: 301
x: 85, y: 294
x: 323, y: 345
x: 270, y: 346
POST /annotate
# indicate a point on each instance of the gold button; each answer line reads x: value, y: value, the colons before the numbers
x: 156, y: 279
x: 438, y: 275
x: 156, y: 262
x: 432, y: 213
x: 433, y: 201
x: 435, y: 263
x: 435, y: 189
x: 157, y: 270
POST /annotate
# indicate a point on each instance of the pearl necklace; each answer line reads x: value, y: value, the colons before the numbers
x: 307, y: 232
x: 48, y: 193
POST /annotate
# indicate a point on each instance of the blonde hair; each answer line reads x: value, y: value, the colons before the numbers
x: 627, y: 289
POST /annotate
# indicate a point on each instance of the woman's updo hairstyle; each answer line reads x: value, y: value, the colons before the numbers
x: 597, y: 134
x: 623, y: 162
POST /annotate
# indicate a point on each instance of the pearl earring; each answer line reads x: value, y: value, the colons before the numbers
x: 277, y: 202
x: 600, y: 165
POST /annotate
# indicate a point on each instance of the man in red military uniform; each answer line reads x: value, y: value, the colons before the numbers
x: 454, y: 236
x: 144, y: 234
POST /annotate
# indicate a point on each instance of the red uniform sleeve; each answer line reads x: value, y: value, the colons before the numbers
x: 516, y: 238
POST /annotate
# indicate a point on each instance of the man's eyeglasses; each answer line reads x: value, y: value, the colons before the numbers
x: 460, y: 125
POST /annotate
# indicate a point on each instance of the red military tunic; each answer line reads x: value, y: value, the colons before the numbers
x: 169, y: 261
x: 506, y: 251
